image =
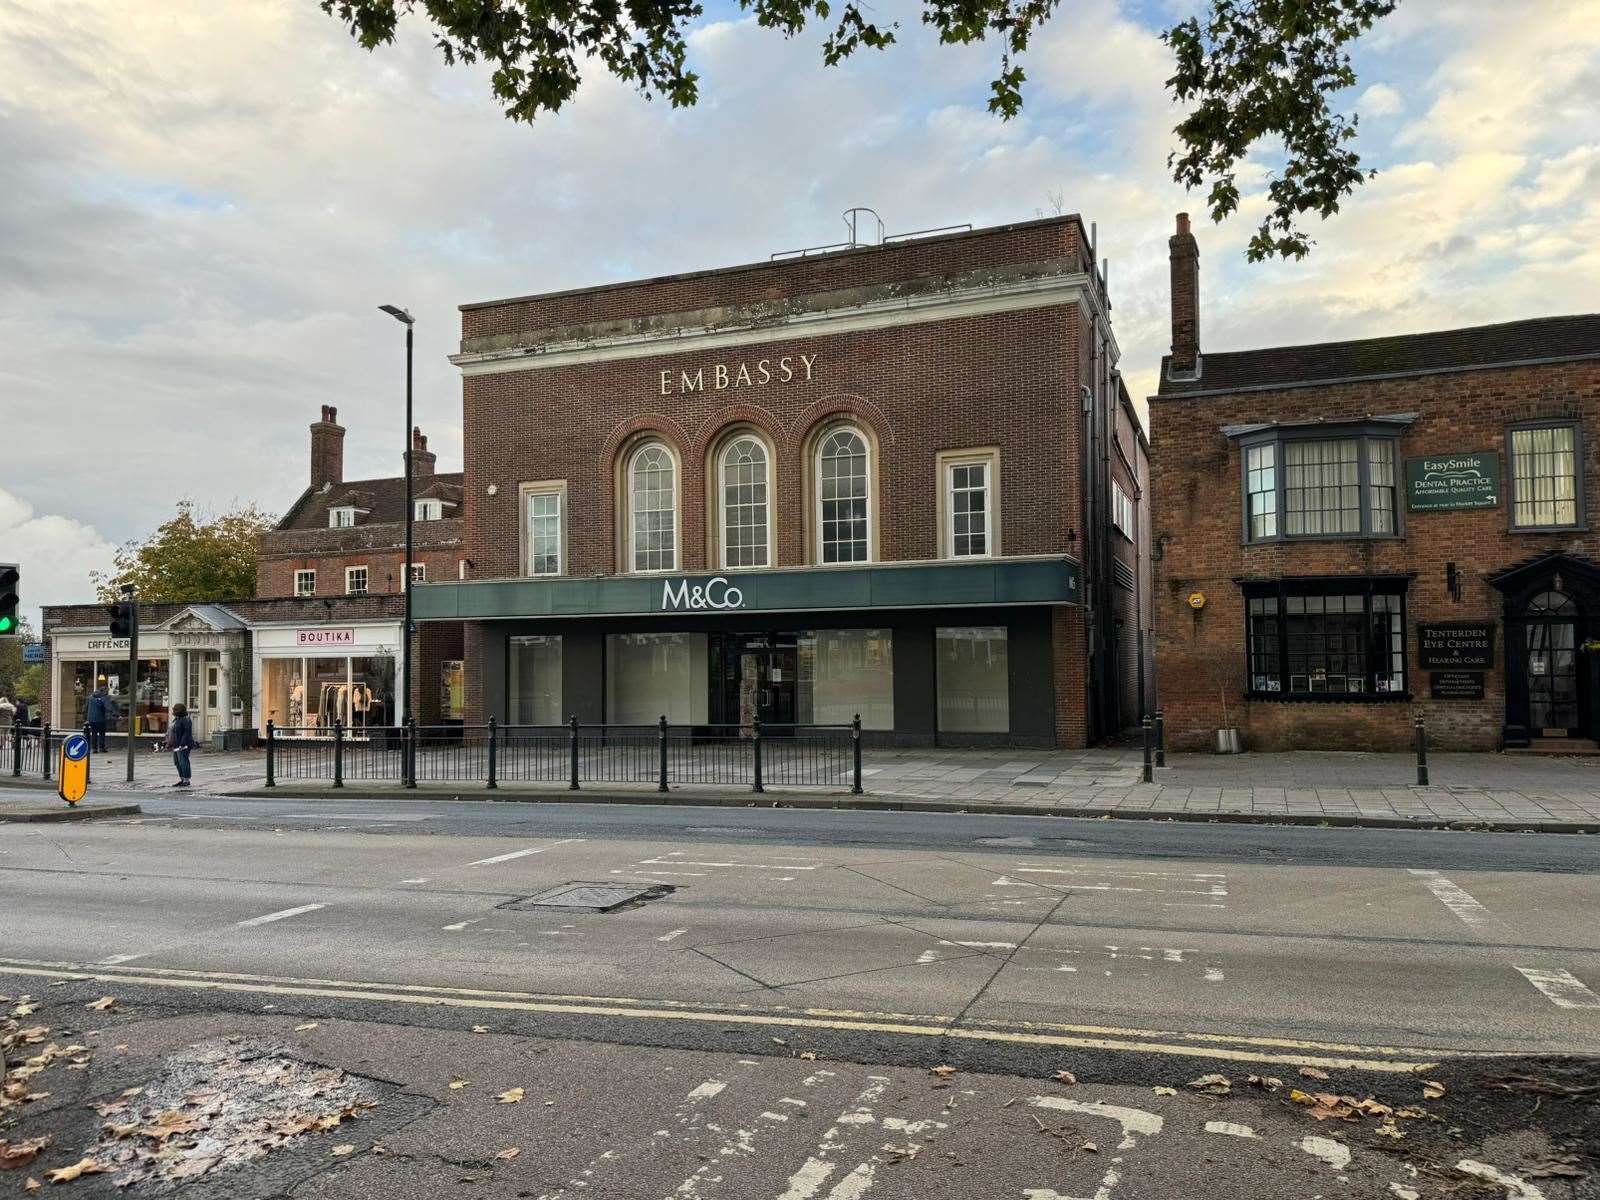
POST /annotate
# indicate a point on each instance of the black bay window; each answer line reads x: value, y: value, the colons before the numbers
x: 1326, y: 639
x: 1322, y: 481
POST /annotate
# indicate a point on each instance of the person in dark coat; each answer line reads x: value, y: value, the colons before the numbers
x: 98, y: 714
x: 180, y: 740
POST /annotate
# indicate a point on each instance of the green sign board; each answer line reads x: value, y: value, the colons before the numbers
x: 1452, y: 481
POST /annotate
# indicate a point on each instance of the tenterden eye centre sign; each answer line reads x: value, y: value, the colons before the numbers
x: 1453, y: 481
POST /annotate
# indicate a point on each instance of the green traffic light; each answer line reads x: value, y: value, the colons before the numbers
x: 5, y: 624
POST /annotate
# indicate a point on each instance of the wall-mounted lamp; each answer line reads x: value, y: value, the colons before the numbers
x: 1452, y: 581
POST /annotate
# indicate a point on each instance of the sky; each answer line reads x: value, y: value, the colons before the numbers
x: 202, y: 206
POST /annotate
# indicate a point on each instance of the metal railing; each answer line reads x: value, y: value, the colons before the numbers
x: 31, y: 750
x: 662, y: 754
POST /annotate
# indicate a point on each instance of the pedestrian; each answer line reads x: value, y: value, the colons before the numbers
x: 98, y: 714
x: 21, y: 719
x: 180, y: 740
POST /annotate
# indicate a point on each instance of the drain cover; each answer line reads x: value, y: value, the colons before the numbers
x: 590, y: 897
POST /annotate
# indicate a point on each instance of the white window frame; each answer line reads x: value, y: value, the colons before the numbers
x: 1122, y: 510
x: 631, y: 516
x: 719, y: 481
x: 558, y: 489
x: 948, y: 460
x: 342, y: 517
x: 418, y: 573
x: 428, y: 509
x: 366, y: 581
x: 818, y: 545
x: 306, y: 576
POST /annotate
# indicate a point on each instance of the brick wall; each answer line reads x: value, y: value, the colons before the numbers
x: 378, y: 547
x: 1196, y: 486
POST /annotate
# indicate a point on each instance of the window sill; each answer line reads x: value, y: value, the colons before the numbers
x: 1329, y: 697
x: 1292, y: 539
x: 1536, y: 529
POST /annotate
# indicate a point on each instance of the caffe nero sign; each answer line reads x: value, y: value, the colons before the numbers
x: 1455, y: 647
x: 1453, y: 481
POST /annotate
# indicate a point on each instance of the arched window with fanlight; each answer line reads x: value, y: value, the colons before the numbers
x: 844, y: 496
x: 744, y: 473
x: 652, y: 482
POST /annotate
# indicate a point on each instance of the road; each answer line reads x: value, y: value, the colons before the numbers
x: 669, y: 1031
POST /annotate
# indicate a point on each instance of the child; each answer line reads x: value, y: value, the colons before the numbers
x: 180, y: 740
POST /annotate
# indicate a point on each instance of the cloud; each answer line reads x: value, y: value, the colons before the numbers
x: 56, y: 555
x: 1381, y: 100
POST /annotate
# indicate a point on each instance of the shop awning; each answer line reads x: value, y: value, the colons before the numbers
x: 1006, y: 581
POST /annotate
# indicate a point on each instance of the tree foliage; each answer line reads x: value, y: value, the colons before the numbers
x: 1253, y: 72
x: 190, y: 558
x: 19, y: 679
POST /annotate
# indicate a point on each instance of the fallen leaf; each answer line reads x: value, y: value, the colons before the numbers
x: 779, y: 1042
x: 1164, y: 1091
x: 513, y: 1096
x: 307, y: 1027
x: 1411, y: 1113
x: 20, y: 1154
x: 1313, y: 1073
x: 1090, y: 1147
x: 1432, y: 1089
x: 134, y: 1091
x: 480, y: 1029
x: 123, y: 1131
x: 84, y: 1166
x: 1555, y: 1170
x: 342, y: 1151
x: 35, y: 1034
x: 101, y: 1005
x: 33, y: 1185
x: 458, y: 1083
x: 1213, y: 1085
x: 1066, y: 1077
x: 808, y: 1055
x: 509, y: 1153
x: 24, y: 1010
x: 943, y: 1072
x: 1270, y: 1082
x: 1389, y: 1130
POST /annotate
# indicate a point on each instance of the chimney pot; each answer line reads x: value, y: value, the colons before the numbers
x: 422, y: 459
x: 327, y: 449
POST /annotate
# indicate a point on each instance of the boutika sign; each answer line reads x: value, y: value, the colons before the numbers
x: 325, y: 637
x: 1453, y: 481
x: 1455, y: 647
x: 725, y: 377
x: 717, y: 593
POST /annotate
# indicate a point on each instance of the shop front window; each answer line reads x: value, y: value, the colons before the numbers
x: 533, y: 686
x: 1326, y: 640
x: 843, y: 672
x: 145, y: 701
x: 974, y: 680
x: 307, y: 695
x: 372, y: 694
x: 653, y: 674
x: 75, y: 685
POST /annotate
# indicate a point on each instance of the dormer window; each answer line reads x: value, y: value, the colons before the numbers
x: 428, y: 510
x: 343, y: 517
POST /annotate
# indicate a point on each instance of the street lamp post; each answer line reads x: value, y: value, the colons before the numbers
x: 405, y: 318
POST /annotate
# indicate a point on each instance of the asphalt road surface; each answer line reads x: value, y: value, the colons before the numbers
x: 761, y: 1013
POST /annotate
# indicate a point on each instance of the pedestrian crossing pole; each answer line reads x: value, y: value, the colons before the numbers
x: 133, y: 666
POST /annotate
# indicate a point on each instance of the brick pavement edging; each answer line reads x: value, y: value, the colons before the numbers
x: 41, y: 814
x: 892, y: 803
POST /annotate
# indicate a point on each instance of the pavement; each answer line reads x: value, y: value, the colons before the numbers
x: 802, y: 1005
x: 1314, y: 787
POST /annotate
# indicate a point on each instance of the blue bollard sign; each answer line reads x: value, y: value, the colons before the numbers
x: 74, y: 768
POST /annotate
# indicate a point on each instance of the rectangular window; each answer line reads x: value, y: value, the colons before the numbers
x: 305, y: 583
x: 428, y: 510
x: 533, y: 692
x: 419, y: 572
x: 543, y: 531
x: 1344, y: 641
x: 341, y: 518
x: 355, y: 581
x: 1380, y: 485
x: 1261, y: 485
x: 973, y: 680
x: 969, y: 509
x: 649, y: 675
x: 1544, y: 477
x: 1122, y: 511
x: 1322, y: 487
x: 842, y: 672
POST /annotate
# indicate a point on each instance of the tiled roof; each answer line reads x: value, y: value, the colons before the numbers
x: 383, y: 500
x: 1405, y: 354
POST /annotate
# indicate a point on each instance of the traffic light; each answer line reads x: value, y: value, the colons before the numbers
x: 122, y: 618
x: 10, y: 618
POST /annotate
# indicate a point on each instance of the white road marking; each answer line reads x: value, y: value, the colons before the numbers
x: 1229, y: 1129
x: 1134, y: 1121
x: 1455, y: 898
x: 460, y: 925
x: 1213, y: 975
x: 666, y: 874
x: 500, y: 858
x: 422, y: 880
x: 387, y: 820
x: 1335, y: 1154
x: 1515, y: 1188
x: 114, y: 959
x: 1562, y: 988
x: 708, y: 1089
x: 669, y: 861
x: 268, y: 918
x: 676, y: 933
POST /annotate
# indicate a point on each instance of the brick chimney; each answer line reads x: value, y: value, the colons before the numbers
x: 327, y: 448
x: 422, y: 459
x: 1185, y: 255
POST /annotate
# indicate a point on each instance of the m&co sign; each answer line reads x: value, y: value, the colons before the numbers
x: 325, y: 637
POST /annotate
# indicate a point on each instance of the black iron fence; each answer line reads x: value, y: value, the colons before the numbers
x: 31, y: 750
x: 827, y: 756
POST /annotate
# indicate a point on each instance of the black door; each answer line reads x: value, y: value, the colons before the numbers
x: 777, y: 687
x: 1550, y: 665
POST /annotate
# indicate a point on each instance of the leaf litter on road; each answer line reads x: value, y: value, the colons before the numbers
x: 510, y: 1096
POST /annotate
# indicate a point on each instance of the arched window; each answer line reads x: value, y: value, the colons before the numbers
x: 652, y: 509
x: 746, y: 508
x: 1551, y: 604
x: 844, y: 497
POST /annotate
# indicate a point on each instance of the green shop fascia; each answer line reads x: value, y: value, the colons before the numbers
x: 926, y: 653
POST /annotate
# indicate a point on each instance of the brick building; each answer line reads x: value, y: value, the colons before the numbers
x: 1349, y: 534
x: 320, y: 642
x: 901, y: 480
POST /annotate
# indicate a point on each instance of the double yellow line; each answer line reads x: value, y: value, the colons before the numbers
x: 1286, y: 1052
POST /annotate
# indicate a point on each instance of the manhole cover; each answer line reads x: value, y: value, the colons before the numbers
x: 590, y: 897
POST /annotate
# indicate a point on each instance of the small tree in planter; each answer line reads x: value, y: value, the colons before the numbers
x: 1224, y: 676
